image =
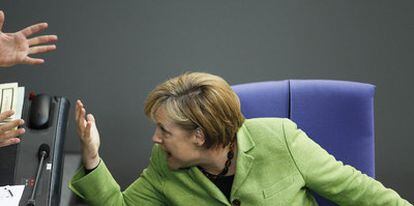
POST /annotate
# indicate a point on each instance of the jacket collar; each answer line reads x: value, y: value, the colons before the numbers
x: 244, y: 140
x: 244, y: 163
x: 245, y: 143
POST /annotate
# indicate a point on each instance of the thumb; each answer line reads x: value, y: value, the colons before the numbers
x: 90, y: 118
x: 88, y: 130
x: 90, y: 123
x: 1, y: 19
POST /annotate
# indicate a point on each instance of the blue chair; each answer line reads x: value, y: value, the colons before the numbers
x: 338, y: 115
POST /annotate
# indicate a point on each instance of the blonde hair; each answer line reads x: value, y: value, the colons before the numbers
x: 199, y: 100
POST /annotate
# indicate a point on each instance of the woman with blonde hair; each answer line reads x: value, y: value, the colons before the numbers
x: 206, y: 153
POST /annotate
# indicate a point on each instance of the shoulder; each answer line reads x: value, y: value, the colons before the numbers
x: 264, y: 126
x: 269, y: 125
x: 265, y: 133
x: 270, y: 150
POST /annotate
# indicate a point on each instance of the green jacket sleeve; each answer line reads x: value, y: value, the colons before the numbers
x: 332, y: 179
x: 100, y: 188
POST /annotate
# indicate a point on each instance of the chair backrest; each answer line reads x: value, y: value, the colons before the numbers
x: 338, y: 115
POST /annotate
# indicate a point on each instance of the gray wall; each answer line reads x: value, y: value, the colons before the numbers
x: 112, y: 53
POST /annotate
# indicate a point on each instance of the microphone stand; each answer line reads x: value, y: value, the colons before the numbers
x: 43, y: 155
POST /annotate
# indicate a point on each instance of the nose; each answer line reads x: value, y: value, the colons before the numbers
x: 156, y: 138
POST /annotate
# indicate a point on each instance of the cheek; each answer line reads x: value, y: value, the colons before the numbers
x: 182, y: 152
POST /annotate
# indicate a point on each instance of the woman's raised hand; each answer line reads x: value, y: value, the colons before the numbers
x: 89, y: 136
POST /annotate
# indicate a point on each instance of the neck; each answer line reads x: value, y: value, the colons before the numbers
x: 213, y: 160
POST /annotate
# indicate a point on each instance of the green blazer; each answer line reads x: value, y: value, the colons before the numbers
x: 277, y: 164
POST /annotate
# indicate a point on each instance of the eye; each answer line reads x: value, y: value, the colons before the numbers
x: 163, y: 130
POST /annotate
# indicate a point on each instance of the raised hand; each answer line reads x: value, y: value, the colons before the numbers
x: 8, y: 135
x: 89, y: 136
x: 15, y: 47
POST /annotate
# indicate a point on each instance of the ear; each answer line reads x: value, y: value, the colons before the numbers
x: 199, y: 137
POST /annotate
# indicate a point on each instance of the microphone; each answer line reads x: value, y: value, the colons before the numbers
x: 43, y: 149
x: 42, y: 154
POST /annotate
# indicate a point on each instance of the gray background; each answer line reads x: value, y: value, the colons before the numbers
x: 112, y: 53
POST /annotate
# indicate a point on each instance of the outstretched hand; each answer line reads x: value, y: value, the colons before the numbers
x: 15, y: 47
x: 89, y: 136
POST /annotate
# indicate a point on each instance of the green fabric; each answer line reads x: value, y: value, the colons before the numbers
x: 276, y: 164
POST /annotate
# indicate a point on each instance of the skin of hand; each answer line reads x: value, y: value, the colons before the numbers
x: 89, y: 136
x: 8, y: 135
x: 15, y: 47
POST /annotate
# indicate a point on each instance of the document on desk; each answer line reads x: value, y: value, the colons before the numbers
x: 11, y: 98
x: 11, y: 195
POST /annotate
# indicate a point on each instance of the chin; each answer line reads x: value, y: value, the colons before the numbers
x: 174, y: 165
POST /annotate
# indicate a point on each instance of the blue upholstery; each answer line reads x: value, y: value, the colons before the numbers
x: 338, y: 115
x: 264, y: 99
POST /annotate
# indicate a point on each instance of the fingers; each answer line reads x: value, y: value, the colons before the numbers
x: 32, y: 61
x: 85, y: 125
x: 1, y: 20
x: 80, y: 118
x: 81, y: 112
x: 88, y: 129
x: 28, y: 31
x: 42, y: 39
x: 10, y: 125
x: 9, y: 137
x: 7, y: 132
x: 10, y: 141
x: 11, y: 134
x: 77, y: 110
x: 41, y: 49
x: 79, y: 105
x: 6, y: 115
x: 37, y: 50
x: 90, y: 123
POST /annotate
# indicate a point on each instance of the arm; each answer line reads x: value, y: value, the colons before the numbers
x: 328, y: 177
x: 99, y: 187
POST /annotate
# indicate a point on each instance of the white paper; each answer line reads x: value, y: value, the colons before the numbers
x: 8, y: 96
x: 19, y: 102
x: 11, y: 98
x: 11, y: 195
